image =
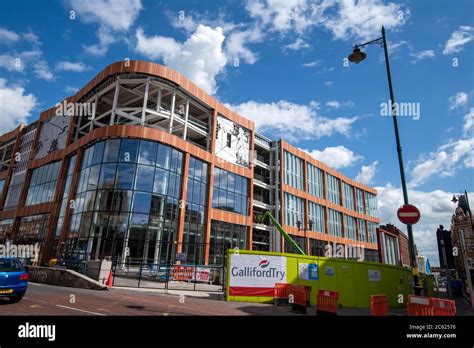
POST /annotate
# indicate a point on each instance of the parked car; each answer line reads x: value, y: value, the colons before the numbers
x: 13, y: 279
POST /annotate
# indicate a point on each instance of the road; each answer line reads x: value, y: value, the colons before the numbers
x: 42, y: 299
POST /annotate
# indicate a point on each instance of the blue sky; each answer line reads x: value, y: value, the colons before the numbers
x: 281, y: 64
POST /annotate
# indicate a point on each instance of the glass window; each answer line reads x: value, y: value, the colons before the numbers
x: 362, y: 230
x: 43, y: 184
x: 164, y: 156
x: 317, y: 214
x: 293, y: 167
x: 350, y: 227
x: 148, y: 151
x: 144, y: 180
x: 294, y: 210
x: 372, y: 229
x: 335, y: 223
x: 371, y: 204
x: 128, y: 150
x: 141, y: 202
x: 315, y: 181
x: 231, y: 191
x: 332, y: 184
x: 107, y: 175
x: 125, y: 176
x: 98, y: 152
x: 160, y: 185
x: 348, y: 196
x: 111, y: 151
x: 359, y: 200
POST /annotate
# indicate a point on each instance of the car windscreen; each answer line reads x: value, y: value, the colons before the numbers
x: 10, y: 265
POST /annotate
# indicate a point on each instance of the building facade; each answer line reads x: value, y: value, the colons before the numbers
x: 462, y: 235
x: 141, y: 164
x: 445, y: 248
x: 393, y: 246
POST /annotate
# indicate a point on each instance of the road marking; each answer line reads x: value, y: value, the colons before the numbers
x: 81, y: 310
x: 36, y: 306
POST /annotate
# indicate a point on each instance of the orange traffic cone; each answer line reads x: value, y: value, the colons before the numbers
x: 109, y: 280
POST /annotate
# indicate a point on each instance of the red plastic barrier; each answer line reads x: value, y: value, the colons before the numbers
x: 281, y: 293
x: 299, y: 298
x: 379, y: 305
x: 419, y: 306
x: 443, y: 307
x: 326, y: 302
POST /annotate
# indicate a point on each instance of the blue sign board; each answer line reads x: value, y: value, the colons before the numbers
x: 313, y: 271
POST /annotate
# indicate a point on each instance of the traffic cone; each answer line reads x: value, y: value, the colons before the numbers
x: 109, y: 280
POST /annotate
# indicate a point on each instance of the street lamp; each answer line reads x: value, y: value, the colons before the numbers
x: 356, y: 57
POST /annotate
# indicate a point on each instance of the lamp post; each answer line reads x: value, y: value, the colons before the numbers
x: 356, y: 57
x: 310, y: 223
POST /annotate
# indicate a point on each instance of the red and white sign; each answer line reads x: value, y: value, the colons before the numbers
x: 408, y: 214
x: 255, y: 275
x: 189, y: 273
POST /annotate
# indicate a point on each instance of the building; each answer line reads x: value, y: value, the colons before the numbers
x: 443, y: 237
x: 393, y: 246
x: 150, y: 166
x: 462, y: 235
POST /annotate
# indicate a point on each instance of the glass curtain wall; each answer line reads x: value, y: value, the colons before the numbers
x: 293, y: 171
x: 126, y: 201
x: 196, y: 198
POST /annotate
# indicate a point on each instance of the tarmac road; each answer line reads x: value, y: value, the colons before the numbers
x: 42, y: 299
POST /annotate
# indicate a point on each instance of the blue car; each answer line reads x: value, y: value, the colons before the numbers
x: 13, y: 279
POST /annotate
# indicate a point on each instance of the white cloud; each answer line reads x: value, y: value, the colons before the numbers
x: 364, y: 19
x: 15, y: 106
x: 367, y: 173
x: 18, y: 62
x: 328, y: 83
x: 312, y: 64
x: 333, y: 104
x: 71, y: 89
x: 455, y: 101
x: 345, y: 19
x: 200, y: 58
x: 422, y: 55
x: 293, y: 121
x: 42, y: 71
x: 336, y: 157
x: 458, y: 39
x: 297, y: 45
x: 443, y: 162
x: 468, y: 121
x: 114, y: 17
x: 8, y: 37
x: 435, y: 207
x: 236, y: 45
x: 72, y: 66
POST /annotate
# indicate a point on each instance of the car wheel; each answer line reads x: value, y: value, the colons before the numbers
x: 16, y: 299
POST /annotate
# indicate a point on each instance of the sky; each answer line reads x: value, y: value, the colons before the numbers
x: 282, y: 64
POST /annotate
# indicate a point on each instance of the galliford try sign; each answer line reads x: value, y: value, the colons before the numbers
x: 255, y: 275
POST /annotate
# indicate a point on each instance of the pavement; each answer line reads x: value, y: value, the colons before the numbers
x: 43, y: 299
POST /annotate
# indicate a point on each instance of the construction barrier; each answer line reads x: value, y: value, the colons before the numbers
x: 299, y: 298
x: 281, y: 293
x: 379, y: 305
x: 419, y: 305
x: 443, y: 307
x: 326, y: 302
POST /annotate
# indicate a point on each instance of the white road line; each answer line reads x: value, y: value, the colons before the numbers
x: 81, y: 310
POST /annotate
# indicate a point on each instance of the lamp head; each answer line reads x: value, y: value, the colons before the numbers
x: 357, y: 56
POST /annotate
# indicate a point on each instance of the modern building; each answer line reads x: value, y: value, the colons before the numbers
x: 393, y: 246
x: 445, y: 248
x: 462, y: 235
x: 141, y: 164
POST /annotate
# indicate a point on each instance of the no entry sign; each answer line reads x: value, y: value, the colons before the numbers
x: 408, y: 214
